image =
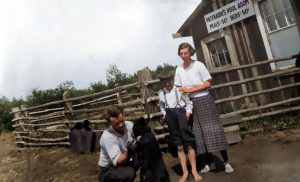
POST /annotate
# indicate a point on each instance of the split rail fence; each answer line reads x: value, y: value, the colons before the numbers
x: 49, y: 124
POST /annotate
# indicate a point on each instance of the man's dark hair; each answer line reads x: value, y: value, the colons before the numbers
x: 113, y: 112
x: 186, y: 45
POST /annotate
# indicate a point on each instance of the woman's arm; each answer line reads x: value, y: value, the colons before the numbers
x: 205, y: 86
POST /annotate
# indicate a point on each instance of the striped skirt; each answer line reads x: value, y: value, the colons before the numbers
x: 207, y: 126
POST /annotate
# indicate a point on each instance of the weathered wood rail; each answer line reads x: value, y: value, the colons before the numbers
x: 49, y: 124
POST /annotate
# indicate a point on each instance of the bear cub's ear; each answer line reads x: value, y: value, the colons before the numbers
x: 141, y: 127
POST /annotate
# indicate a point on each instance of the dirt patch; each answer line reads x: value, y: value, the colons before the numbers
x: 267, y: 158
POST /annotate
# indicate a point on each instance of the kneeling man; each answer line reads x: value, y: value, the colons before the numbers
x: 115, y: 160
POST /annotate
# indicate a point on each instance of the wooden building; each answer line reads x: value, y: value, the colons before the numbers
x: 272, y: 31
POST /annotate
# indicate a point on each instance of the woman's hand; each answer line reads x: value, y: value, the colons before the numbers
x: 199, y: 88
x: 183, y: 90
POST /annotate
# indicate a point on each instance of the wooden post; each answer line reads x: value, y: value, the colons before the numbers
x: 119, y: 97
x: 240, y: 73
x: 282, y: 94
x: 68, y: 106
x: 25, y: 115
x: 231, y: 92
x: 18, y: 128
x: 258, y: 84
x: 145, y: 75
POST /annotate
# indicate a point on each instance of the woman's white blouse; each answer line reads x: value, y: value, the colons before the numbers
x: 195, y: 74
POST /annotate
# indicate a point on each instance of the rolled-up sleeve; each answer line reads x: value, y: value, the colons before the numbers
x: 204, y: 73
x: 112, y: 149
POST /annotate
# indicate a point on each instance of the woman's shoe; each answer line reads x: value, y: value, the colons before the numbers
x: 206, y: 169
x: 228, y: 168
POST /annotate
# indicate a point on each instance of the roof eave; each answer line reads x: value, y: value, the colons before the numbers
x: 185, y: 29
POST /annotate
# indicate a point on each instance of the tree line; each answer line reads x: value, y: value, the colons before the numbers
x: 114, y: 78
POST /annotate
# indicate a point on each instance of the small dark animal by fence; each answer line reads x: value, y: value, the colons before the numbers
x: 82, y: 139
x: 153, y: 168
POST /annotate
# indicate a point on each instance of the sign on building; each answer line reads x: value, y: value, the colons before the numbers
x: 229, y: 14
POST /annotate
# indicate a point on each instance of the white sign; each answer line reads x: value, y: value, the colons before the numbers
x: 229, y: 14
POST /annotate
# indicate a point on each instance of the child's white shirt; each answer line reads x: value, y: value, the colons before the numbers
x: 183, y: 100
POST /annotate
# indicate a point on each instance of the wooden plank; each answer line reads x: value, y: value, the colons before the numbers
x: 96, y: 100
x: 44, y: 139
x: 233, y: 128
x: 157, y: 114
x: 124, y: 104
x: 257, y: 93
x: 38, y: 119
x: 99, y: 94
x: 161, y: 136
x: 292, y: 70
x: 47, y: 111
x: 268, y: 105
x: 43, y: 144
x: 253, y: 65
x: 230, y: 118
x: 281, y: 111
x: 233, y: 137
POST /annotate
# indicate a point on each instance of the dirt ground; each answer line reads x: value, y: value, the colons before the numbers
x: 267, y: 158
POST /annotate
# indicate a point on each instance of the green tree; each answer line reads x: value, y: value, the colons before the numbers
x: 5, y: 108
x: 98, y: 86
x: 116, y: 78
x: 165, y: 68
x: 39, y: 97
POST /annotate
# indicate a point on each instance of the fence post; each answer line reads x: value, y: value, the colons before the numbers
x: 25, y: 114
x: 68, y: 106
x: 16, y: 125
x: 145, y: 75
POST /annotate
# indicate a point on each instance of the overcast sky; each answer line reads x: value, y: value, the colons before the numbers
x: 46, y: 42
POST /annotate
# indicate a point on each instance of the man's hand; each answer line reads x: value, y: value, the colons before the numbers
x: 122, y: 159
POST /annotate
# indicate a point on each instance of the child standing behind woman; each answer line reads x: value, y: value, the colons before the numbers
x: 177, y: 108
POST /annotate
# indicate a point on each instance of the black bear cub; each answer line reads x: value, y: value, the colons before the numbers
x: 153, y: 168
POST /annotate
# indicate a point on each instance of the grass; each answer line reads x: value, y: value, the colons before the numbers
x: 271, y: 124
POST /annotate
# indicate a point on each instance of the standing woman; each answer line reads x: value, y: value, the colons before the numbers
x: 195, y: 80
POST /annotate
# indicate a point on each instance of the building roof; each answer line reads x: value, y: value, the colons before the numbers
x: 184, y: 30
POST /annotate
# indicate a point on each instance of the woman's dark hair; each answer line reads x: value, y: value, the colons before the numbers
x: 186, y: 45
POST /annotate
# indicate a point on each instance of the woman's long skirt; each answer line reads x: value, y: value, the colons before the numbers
x: 207, y: 126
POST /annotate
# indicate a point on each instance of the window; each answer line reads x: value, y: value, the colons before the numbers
x: 219, y: 53
x: 278, y: 14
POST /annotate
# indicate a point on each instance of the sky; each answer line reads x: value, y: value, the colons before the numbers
x: 44, y: 43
